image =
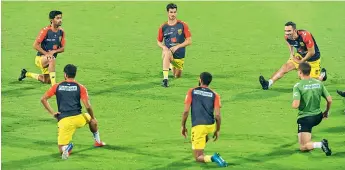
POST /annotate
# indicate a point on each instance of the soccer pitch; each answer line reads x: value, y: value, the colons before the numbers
x: 114, y: 46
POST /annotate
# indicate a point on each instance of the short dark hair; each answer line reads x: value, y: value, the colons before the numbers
x: 70, y: 70
x: 290, y: 23
x: 53, y: 14
x: 206, y: 78
x: 171, y: 6
x: 305, y: 68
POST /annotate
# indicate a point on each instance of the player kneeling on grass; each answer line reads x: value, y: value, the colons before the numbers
x: 68, y: 95
x: 204, y: 102
x: 173, y: 37
x: 306, y: 98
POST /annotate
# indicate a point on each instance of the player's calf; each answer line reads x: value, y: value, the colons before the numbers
x: 51, y: 69
x: 200, y: 157
x: 93, y: 125
x: 44, y: 78
x: 167, y: 58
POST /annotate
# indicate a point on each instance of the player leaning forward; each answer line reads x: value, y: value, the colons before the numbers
x: 307, y: 51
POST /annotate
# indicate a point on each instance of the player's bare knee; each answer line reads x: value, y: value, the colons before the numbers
x: 46, y: 79
x: 303, y: 148
x: 93, y: 127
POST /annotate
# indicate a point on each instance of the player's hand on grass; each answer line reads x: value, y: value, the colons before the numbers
x: 215, y: 135
x: 184, y: 132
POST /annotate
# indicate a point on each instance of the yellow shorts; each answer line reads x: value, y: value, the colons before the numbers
x: 178, y: 63
x: 315, y: 66
x: 68, y: 125
x: 199, y: 133
x: 38, y: 62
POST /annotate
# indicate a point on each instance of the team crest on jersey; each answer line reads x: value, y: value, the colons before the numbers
x: 301, y: 43
x: 179, y: 31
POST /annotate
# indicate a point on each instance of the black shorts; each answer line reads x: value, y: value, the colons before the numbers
x: 305, y: 124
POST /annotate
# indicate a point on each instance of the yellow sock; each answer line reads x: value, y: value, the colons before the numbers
x: 207, y: 158
x: 165, y: 74
x: 52, y: 78
x: 32, y: 75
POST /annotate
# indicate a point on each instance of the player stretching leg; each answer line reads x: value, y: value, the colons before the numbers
x: 203, y: 102
x: 307, y: 51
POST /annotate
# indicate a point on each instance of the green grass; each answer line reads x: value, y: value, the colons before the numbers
x: 114, y: 46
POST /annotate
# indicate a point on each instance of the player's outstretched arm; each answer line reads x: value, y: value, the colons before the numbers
x: 44, y: 101
x: 184, y: 120
x: 88, y: 107
x: 295, y: 104
x: 328, y: 97
x: 218, y: 123
x: 291, y: 50
x: 328, y: 106
x: 296, y: 95
x: 37, y: 43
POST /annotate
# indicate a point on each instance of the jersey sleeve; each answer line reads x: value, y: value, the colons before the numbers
x: 296, y: 92
x: 188, y: 99
x: 308, y: 39
x: 52, y: 91
x: 42, y: 35
x: 186, y: 31
x: 160, y: 34
x: 325, y: 92
x: 83, y: 92
x: 217, y: 103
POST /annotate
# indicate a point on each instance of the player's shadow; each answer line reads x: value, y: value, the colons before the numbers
x: 255, y: 95
x: 337, y: 129
x: 278, y: 152
x: 37, y: 160
x: 21, y: 91
x: 129, y: 150
x: 123, y: 88
x: 339, y: 154
x: 282, y: 90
